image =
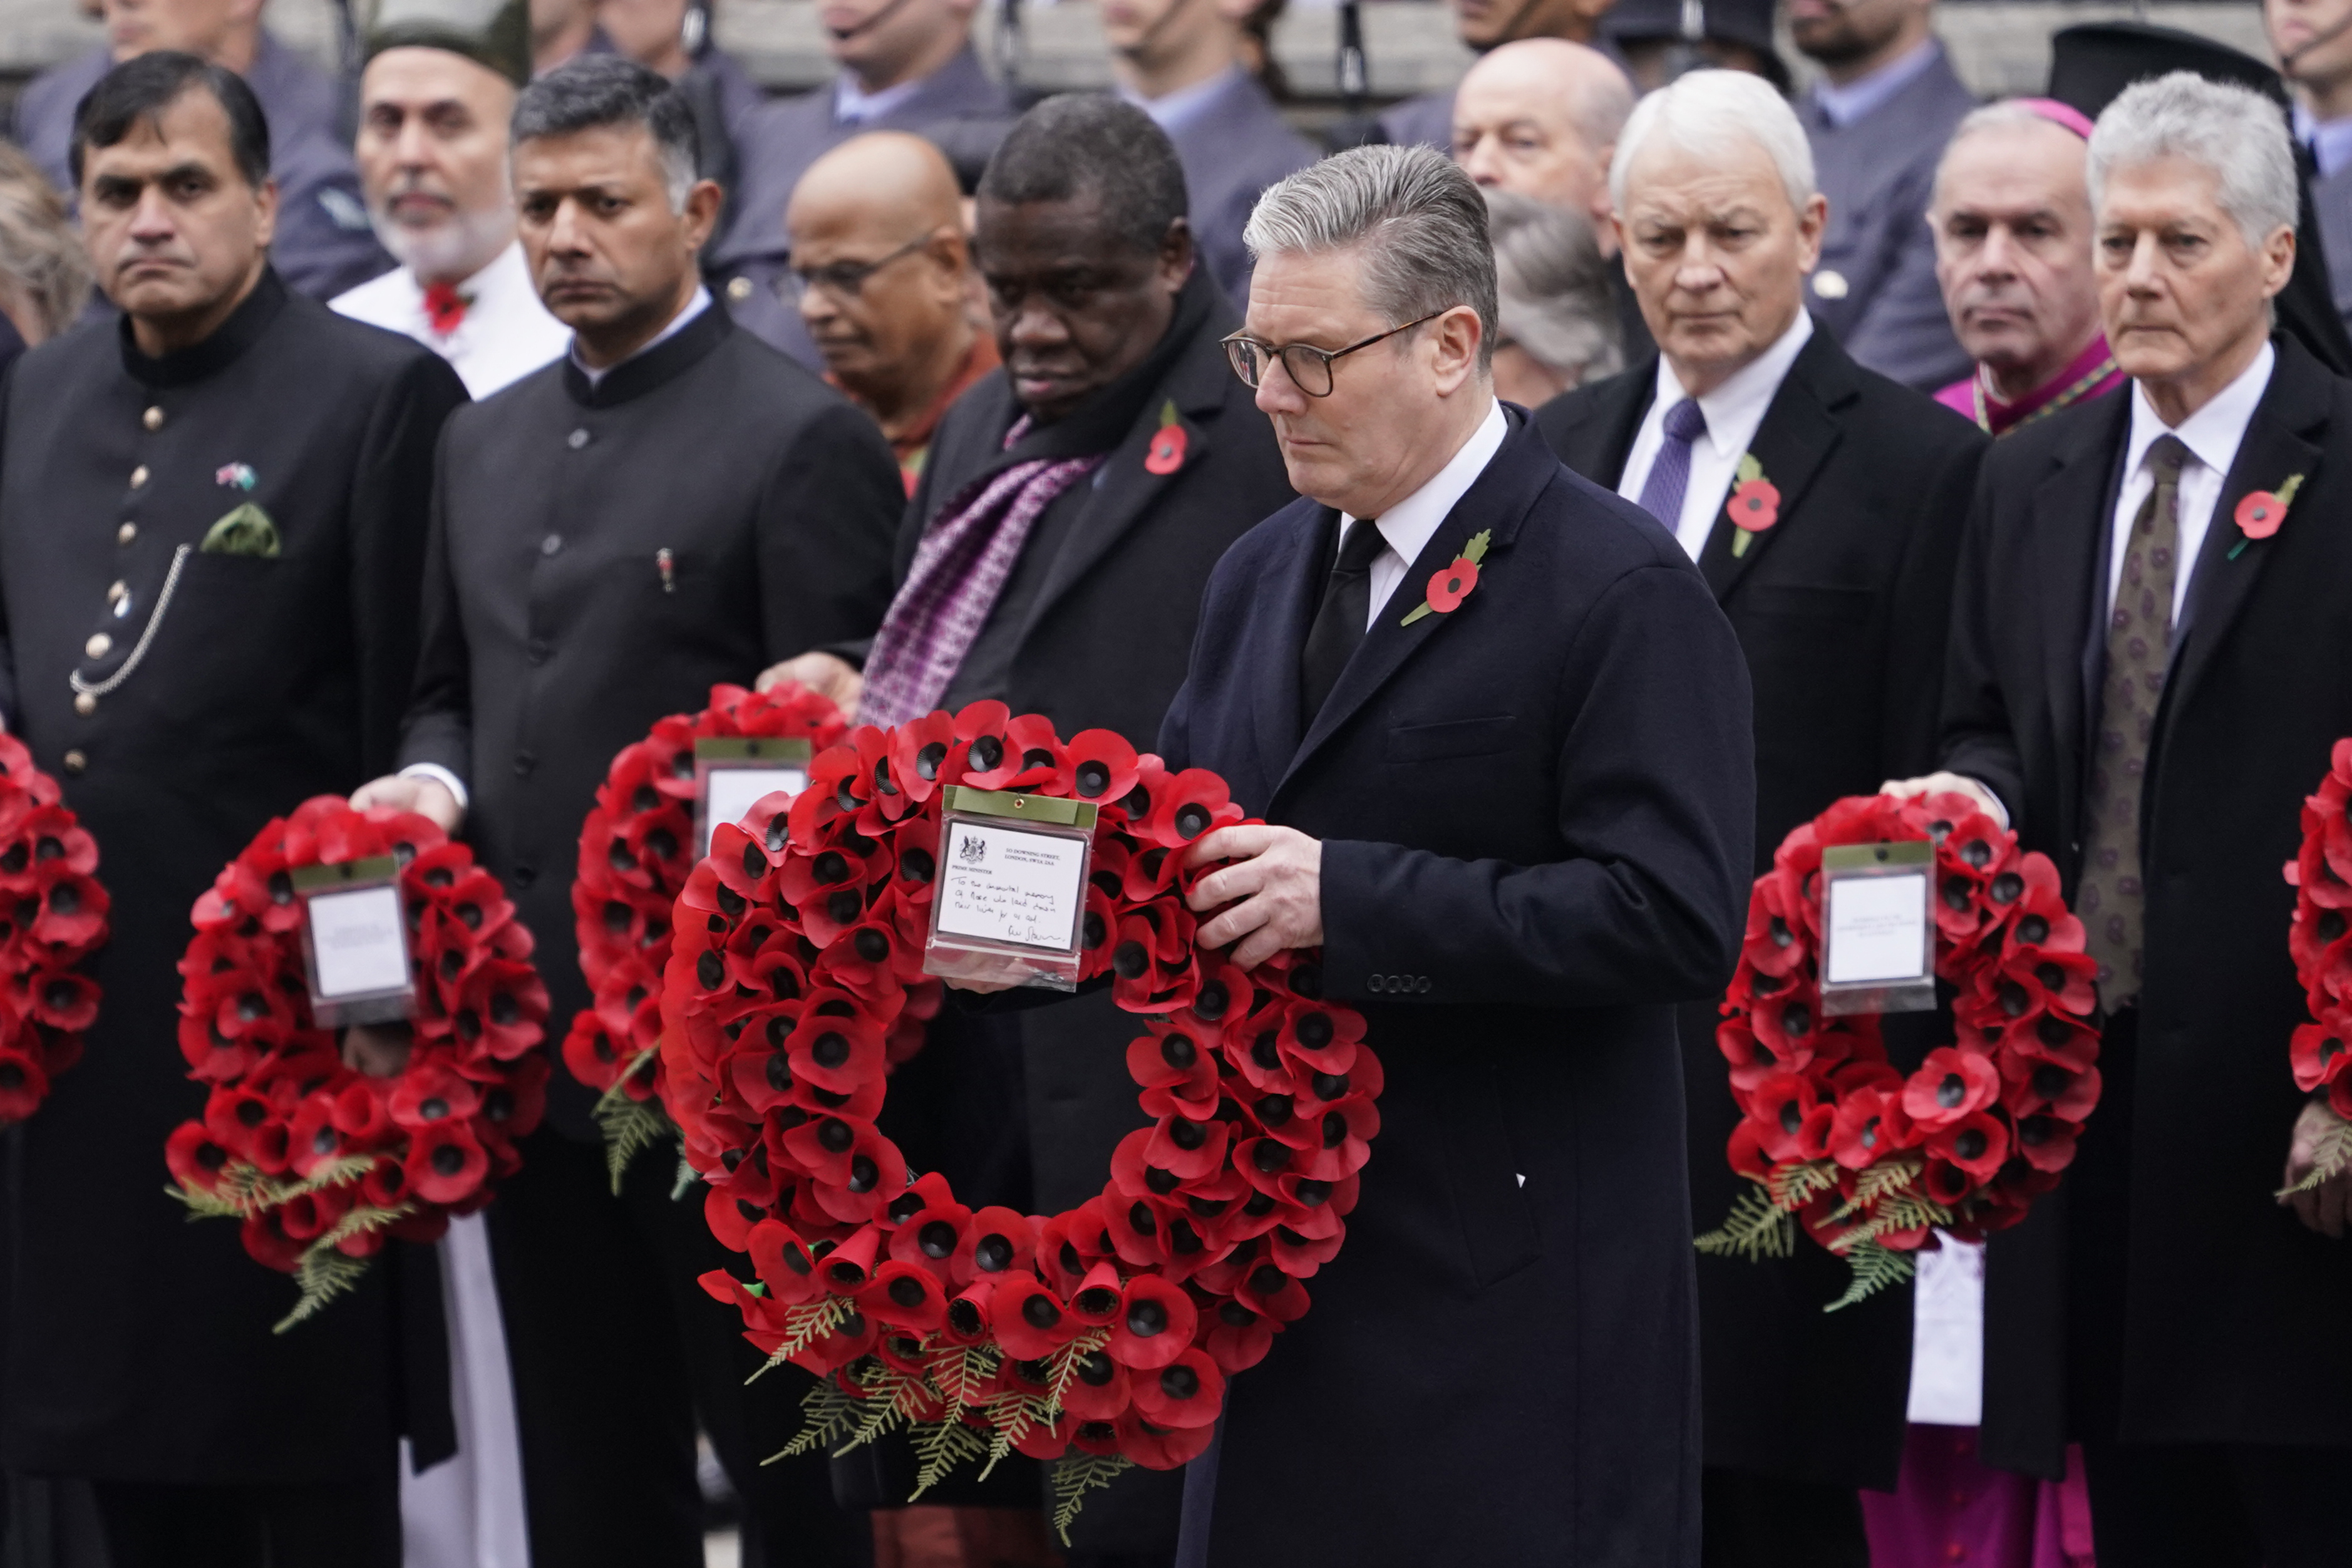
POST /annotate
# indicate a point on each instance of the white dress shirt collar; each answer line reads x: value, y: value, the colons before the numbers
x: 1172, y: 112
x: 2330, y: 141
x: 677, y: 323
x: 1866, y: 94
x: 852, y: 105
x: 1409, y: 526
x: 1734, y: 412
x: 506, y: 333
x: 2212, y: 434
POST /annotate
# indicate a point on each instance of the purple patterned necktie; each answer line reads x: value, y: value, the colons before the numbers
x: 2112, y: 898
x: 1661, y: 492
x: 960, y: 568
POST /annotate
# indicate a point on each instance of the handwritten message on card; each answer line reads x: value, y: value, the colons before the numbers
x: 356, y: 939
x: 1877, y: 930
x: 1004, y: 884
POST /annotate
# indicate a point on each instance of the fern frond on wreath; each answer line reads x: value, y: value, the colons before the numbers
x: 1075, y: 1477
x: 830, y: 1415
x: 1793, y: 1186
x: 2330, y: 1155
x: 631, y: 1125
x: 940, y: 1447
x: 803, y: 1326
x: 1876, y: 1267
x: 1756, y: 1229
x: 1878, y: 1183
x: 323, y: 1274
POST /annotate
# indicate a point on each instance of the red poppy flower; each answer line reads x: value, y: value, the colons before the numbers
x: 1755, y: 505
x: 2318, y: 1055
x: 1977, y: 1143
x: 904, y: 1296
x: 2046, y: 1142
x: 1030, y: 1320
x: 2258, y: 514
x: 1187, y: 1391
x: 1154, y: 1325
x: 1166, y: 453
x: 1950, y: 1085
x: 444, y: 1163
x: 1451, y: 585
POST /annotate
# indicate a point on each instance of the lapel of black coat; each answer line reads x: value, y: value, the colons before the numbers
x: 1801, y: 428
x: 1592, y: 429
x: 2283, y: 438
x: 1197, y: 384
x: 2069, y: 531
x: 1498, y: 500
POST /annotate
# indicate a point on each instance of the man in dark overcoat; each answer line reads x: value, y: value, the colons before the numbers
x: 1841, y: 607
x: 671, y: 504
x: 1517, y: 826
x: 2149, y: 688
x: 1093, y: 621
x: 186, y: 683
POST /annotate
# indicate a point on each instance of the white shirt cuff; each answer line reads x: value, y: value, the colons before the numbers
x: 455, y: 785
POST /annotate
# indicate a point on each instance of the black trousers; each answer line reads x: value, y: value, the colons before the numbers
x: 342, y: 1525
x: 2170, y: 1505
x: 617, y: 1353
x: 1750, y: 1521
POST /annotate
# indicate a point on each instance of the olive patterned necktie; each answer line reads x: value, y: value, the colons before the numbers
x: 2111, y: 899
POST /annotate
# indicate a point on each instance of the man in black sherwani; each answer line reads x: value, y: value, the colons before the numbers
x: 671, y: 504
x: 1518, y: 828
x: 187, y: 681
x: 1842, y: 608
x: 2148, y: 689
x: 1094, y: 622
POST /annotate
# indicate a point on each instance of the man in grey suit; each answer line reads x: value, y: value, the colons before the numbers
x: 324, y: 245
x: 1184, y: 63
x: 906, y: 64
x: 2312, y: 41
x: 1878, y: 120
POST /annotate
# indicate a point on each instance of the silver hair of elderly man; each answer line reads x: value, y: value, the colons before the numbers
x: 1554, y: 284
x: 1708, y: 114
x: 2009, y: 114
x: 2236, y: 133
x: 1420, y: 223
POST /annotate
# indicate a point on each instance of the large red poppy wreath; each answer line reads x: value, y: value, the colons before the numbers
x: 321, y: 1161
x: 52, y: 916
x: 1870, y: 1162
x: 1102, y: 1336
x: 2320, y: 941
x: 637, y: 849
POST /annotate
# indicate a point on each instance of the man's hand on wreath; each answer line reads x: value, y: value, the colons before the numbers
x: 379, y: 1050
x: 1941, y: 782
x: 428, y: 797
x: 835, y: 678
x: 1275, y: 886
x: 2325, y: 1207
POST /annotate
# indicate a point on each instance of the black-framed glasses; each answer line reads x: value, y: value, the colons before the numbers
x: 1309, y: 367
x: 843, y: 280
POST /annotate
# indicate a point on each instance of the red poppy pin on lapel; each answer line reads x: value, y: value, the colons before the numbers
x: 1755, y: 504
x: 1451, y: 585
x: 2260, y: 514
x: 1167, y: 454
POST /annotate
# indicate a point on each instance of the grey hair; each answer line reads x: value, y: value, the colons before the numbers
x: 40, y: 255
x: 1417, y: 220
x: 592, y: 91
x: 2009, y: 114
x: 1708, y: 113
x: 2235, y: 132
x: 1555, y: 302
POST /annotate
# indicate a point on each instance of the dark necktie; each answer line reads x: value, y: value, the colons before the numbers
x: 1661, y: 492
x: 1339, y: 626
x: 2112, y: 900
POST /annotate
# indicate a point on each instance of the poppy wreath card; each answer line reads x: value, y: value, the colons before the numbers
x: 1099, y: 1338
x: 53, y: 915
x: 1870, y: 1162
x: 318, y: 1161
x: 2320, y: 941
x: 637, y: 849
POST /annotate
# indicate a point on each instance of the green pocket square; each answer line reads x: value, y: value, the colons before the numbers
x: 247, y: 530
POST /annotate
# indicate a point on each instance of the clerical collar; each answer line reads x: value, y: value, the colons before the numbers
x: 852, y: 105
x: 2330, y: 141
x: 227, y: 343
x: 1174, y: 112
x: 2091, y: 373
x: 1867, y: 94
x: 692, y: 333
